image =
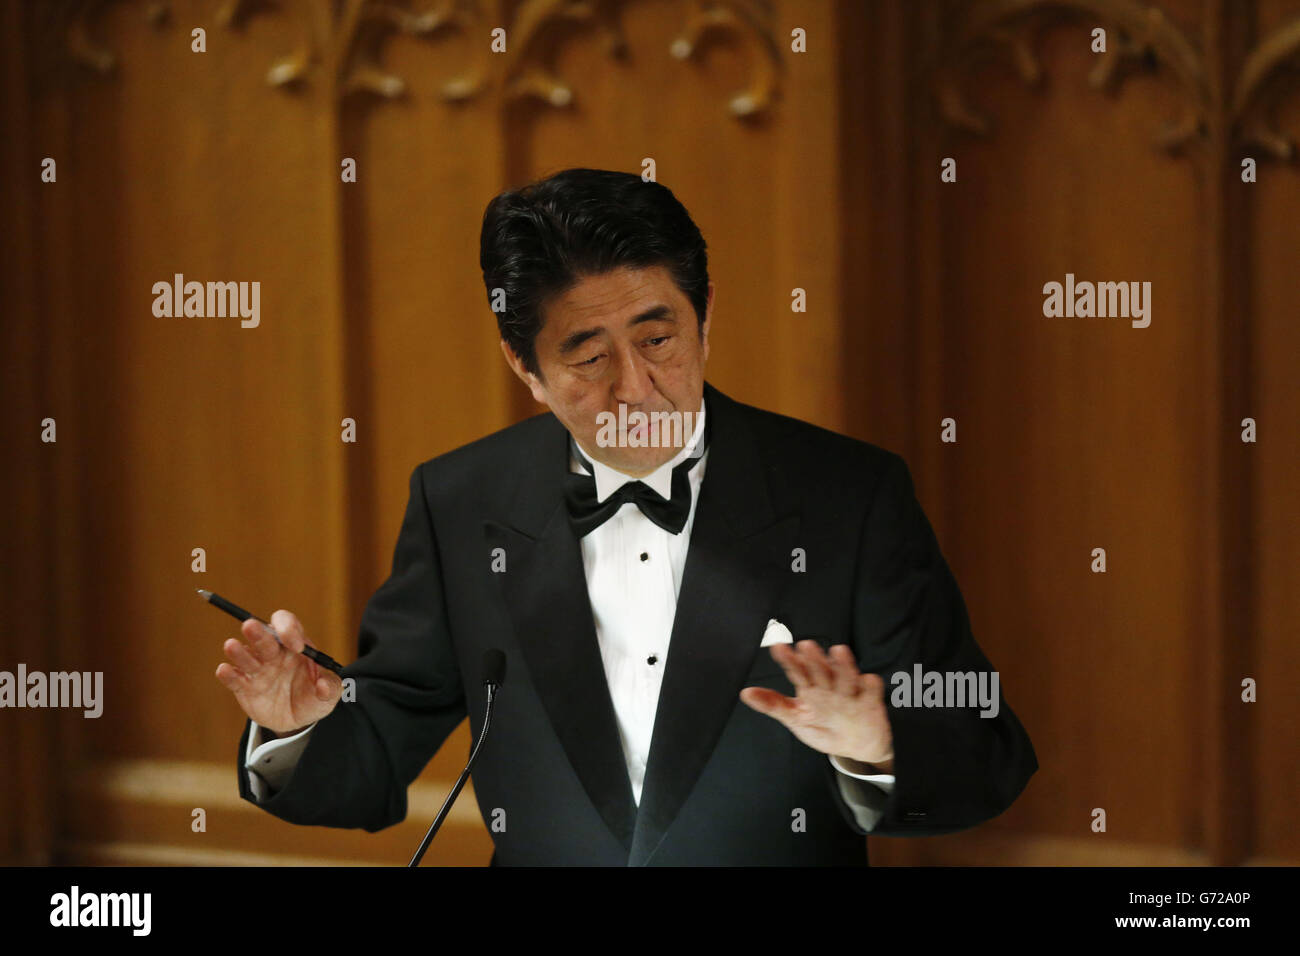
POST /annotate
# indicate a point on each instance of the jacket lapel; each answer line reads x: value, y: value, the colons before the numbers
x: 737, y: 564
x: 545, y: 590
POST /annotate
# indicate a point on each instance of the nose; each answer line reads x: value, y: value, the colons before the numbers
x: 632, y: 385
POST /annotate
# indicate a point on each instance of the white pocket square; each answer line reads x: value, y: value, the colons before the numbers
x: 776, y: 633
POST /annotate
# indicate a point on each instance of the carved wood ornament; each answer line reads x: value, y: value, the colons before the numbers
x: 342, y: 41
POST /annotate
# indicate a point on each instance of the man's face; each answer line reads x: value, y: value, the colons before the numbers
x: 628, y: 336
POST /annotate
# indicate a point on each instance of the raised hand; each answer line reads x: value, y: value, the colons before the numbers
x: 273, y: 682
x: 837, y: 709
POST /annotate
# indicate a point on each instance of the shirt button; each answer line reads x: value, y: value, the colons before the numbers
x: 651, y: 659
x: 645, y: 556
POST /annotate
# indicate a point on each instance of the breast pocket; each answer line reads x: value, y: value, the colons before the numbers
x: 765, y: 668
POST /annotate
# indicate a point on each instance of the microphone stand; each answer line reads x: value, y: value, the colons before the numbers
x: 464, y: 774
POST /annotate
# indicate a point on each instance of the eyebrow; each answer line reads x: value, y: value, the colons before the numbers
x: 575, y: 339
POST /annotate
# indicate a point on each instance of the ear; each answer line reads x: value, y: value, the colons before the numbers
x: 528, y: 378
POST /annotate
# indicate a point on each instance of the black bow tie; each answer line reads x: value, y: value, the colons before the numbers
x: 586, y: 514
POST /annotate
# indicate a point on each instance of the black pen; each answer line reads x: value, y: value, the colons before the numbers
x: 234, y: 610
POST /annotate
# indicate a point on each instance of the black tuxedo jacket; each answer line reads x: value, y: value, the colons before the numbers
x: 724, y: 784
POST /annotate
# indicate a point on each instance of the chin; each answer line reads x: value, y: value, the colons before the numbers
x: 627, y: 462
x: 652, y: 457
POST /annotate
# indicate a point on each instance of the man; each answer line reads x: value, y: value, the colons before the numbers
x: 633, y: 585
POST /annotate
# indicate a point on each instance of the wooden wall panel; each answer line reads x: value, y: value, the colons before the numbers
x: 195, y: 432
x: 1083, y: 434
x: 876, y: 184
x: 1074, y: 434
x: 27, y: 746
x: 1274, y: 401
x: 1079, y: 431
x: 425, y: 373
x: 427, y: 367
x: 924, y: 301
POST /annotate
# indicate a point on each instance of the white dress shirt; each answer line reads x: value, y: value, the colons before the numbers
x: 634, y: 574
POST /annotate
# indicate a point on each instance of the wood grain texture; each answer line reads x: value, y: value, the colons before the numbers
x: 924, y: 302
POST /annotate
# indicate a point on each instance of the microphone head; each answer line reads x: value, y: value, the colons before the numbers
x: 494, y: 667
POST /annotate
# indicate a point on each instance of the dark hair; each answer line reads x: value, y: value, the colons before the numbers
x: 538, y: 241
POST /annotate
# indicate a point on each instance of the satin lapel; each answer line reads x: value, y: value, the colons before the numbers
x: 545, y: 592
x: 736, y: 566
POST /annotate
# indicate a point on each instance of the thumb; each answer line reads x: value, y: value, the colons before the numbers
x: 764, y: 700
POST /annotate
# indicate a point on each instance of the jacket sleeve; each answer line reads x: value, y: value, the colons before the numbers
x: 953, y: 766
x: 360, y: 759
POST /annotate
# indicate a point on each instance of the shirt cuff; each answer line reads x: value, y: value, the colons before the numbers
x: 270, y: 763
x: 885, y: 781
x: 868, y: 798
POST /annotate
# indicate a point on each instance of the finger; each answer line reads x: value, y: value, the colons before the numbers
x: 231, y: 676
x: 261, y: 643
x: 289, y: 628
x: 873, y: 685
x: 332, y: 684
x: 792, y: 664
x: 766, y: 701
x: 315, y: 677
x: 819, y: 671
x: 845, y: 668
x: 316, y: 672
x: 240, y: 656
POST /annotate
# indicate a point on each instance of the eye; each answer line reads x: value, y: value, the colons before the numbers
x: 659, y: 340
x: 591, y: 361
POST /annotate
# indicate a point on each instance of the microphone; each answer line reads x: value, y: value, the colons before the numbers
x: 494, y: 675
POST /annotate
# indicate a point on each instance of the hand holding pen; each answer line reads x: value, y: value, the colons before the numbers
x: 281, y: 682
